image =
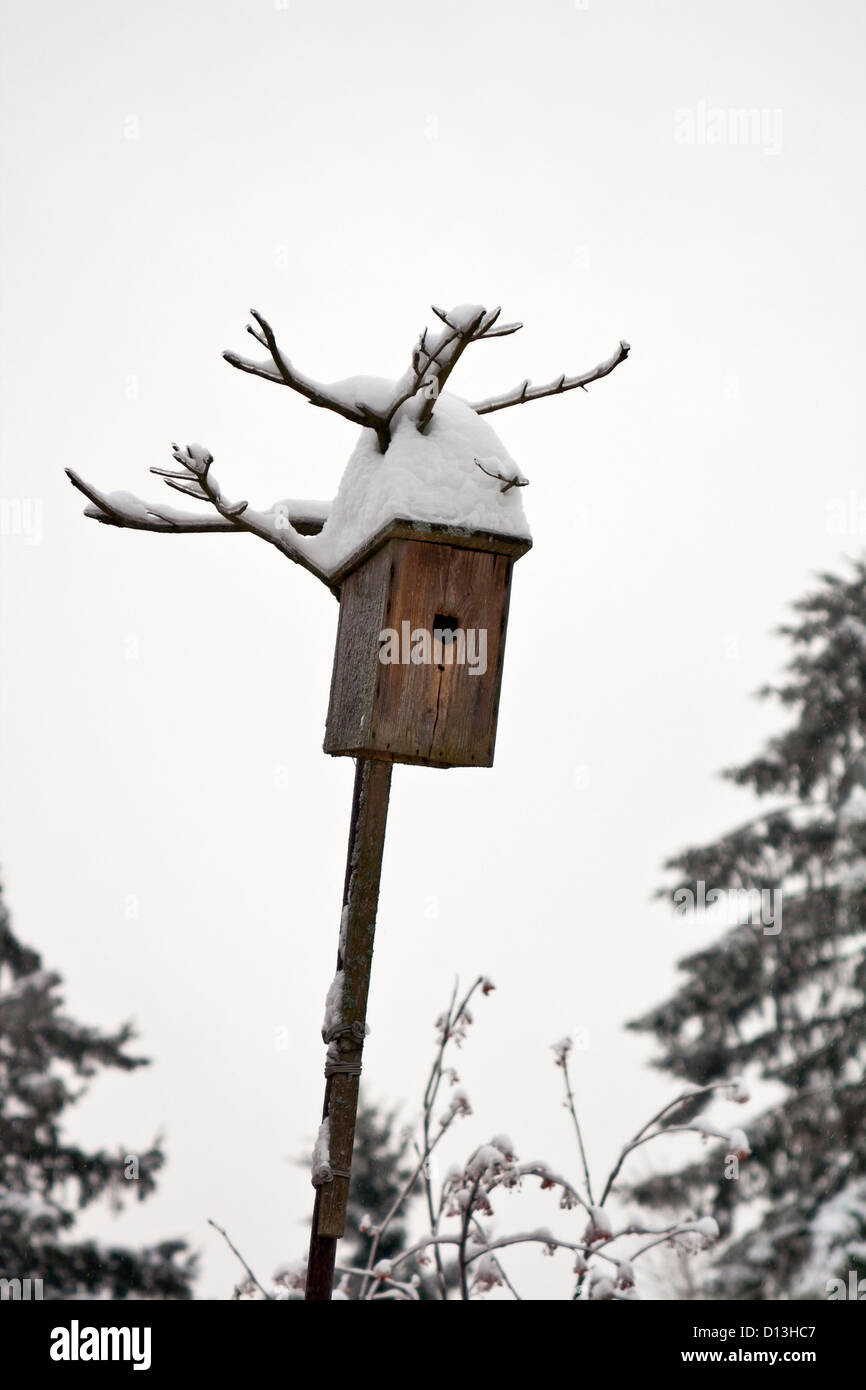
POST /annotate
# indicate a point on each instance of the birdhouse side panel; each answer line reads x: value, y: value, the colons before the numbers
x: 363, y: 600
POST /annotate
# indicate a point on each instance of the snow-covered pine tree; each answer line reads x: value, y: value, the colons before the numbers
x: 788, y: 1008
x: 45, y: 1179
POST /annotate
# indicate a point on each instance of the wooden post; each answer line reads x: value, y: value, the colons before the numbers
x: 343, y: 1067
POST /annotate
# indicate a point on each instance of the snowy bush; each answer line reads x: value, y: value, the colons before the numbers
x: 458, y: 1252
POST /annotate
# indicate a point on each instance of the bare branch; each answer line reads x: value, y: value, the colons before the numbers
x: 433, y: 361
x: 466, y: 1194
x: 572, y: 1110
x: 464, y: 1233
x: 527, y: 392
x: 471, y: 326
x: 642, y: 1135
x: 237, y: 1252
x: 447, y: 352
x: 449, y: 1025
x: 409, y: 385
x: 484, y: 321
x: 125, y: 510
x: 504, y: 331
x: 508, y: 483
x: 570, y: 1195
x: 284, y: 374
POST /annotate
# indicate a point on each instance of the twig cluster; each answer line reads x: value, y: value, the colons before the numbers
x: 459, y: 1209
x: 434, y: 357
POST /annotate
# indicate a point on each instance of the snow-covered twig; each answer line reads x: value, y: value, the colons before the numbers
x: 462, y: 1262
x: 285, y: 374
x: 382, y: 1274
x: 466, y: 1194
x: 449, y: 1024
x: 642, y: 1137
x: 412, y: 397
x: 603, y: 1264
x: 527, y: 392
x: 470, y: 323
x: 432, y: 363
x: 507, y: 483
x: 195, y: 480
x: 562, y: 1051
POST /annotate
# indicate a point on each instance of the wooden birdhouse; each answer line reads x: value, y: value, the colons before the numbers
x: 418, y: 544
x: 420, y: 646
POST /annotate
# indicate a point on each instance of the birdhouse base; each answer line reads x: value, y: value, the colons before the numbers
x: 420, y: 646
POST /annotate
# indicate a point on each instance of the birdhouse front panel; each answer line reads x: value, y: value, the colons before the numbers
x: 420, y: 647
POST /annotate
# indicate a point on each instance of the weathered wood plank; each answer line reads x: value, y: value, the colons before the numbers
x: 354, y: 960
x: 363, y: 603
x: 438, y: 534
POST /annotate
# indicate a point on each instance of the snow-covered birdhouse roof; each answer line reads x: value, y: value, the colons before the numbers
x: 450, y: 476
x: 423, y: 456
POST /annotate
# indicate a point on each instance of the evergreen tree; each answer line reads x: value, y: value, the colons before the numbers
x: 788, y: 1008
x: 44, y: 1179
x: 380, y: 1171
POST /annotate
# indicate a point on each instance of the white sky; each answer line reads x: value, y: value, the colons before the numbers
x: 340, y: 167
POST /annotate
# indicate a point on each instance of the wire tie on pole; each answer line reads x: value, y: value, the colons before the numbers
x: 328, y: 1175
x: 356, y: 1028
x: 342, y: 1068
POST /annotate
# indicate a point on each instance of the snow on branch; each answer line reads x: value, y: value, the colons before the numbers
x: 281, y: 371
x: 738, y: 1144
x: 195, y: 480
x: 462, y: 1223
x: 507, y: 483
x: 427, y: 477
x: 434, y: 357
x: 468, y: 323
x: 527, y: 392
x: 251, y: 1280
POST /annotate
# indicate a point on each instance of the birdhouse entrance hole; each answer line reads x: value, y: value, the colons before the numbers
x: 444, y: 629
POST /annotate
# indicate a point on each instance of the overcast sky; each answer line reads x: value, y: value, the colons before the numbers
x: 173, y: 837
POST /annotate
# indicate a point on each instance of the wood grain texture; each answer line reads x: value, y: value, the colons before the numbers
x: 441, y: 713
x: 437, y: 533
x: 363, y: 604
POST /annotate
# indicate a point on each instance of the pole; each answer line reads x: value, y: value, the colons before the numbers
x: 346, y: 1040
